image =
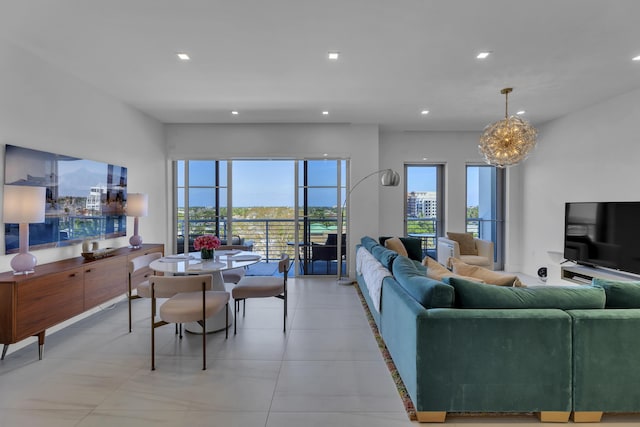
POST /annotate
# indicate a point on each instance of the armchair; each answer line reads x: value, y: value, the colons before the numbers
x: 449, y: 248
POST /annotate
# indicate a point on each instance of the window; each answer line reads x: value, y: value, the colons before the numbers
x: 485, y: 207
x: 424, y: 204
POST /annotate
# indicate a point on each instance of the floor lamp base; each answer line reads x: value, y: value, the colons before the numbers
x: 345, y: 281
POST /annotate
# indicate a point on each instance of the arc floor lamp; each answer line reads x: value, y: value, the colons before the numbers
x: 388, y: 178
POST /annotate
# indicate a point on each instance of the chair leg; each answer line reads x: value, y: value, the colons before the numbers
x: 180, y: 329
x: 226, y: 321
x: 204, y: 344
x: 244, y: 307
x: 129, y: 301
x: 236, y: 303
x: 153, y: 337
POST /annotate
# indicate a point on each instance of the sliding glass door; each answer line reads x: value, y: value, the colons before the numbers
x: 273, y: 206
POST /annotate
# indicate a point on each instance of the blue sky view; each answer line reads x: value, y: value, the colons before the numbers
x: 270, y: 183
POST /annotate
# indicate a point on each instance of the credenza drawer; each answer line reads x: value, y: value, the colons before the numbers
x: 46, y: 301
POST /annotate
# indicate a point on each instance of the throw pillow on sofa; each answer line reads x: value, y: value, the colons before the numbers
x: 437, y: 271
x: 477, y: 295
x: 620, y: 294
x: 489, y: 276
x: 395, y: 244
x: 412, y: 245
x: 465, y: 241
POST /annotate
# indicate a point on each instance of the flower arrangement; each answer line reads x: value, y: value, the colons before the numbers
x: 207, y: 241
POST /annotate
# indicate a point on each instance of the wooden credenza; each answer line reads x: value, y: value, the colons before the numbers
x: 58, y: 291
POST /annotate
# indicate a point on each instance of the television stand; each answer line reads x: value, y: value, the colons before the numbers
x: 582, y: 274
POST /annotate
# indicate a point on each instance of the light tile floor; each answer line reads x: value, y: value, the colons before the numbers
x: 325, y: 371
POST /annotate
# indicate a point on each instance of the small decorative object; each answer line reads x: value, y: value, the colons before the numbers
x: 542, y: 274
x: 206, y: 244
x: 509, y: 141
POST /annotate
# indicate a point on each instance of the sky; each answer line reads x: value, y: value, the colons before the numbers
x: 270, y: 183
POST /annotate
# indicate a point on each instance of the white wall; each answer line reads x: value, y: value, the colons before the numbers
x: 45, y: 109
x: 455, y: 150
x: 359, y: 143
x: 589, y: 155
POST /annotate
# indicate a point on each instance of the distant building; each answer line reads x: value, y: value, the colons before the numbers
x: 422, y: 204
x: 94, y: 201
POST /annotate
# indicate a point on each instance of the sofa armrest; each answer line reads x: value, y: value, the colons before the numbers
x: 485, y: 249
x: 447, y: 248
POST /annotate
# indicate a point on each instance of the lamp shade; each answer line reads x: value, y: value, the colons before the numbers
x: 137, y: 204
x: 23, y: 204
x: 390, y: 178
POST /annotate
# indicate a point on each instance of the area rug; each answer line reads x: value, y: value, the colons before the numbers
x: 402, y: 390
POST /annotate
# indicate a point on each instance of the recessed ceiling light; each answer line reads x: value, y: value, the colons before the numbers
x: 325, y: 113
x: 637, y: 58
x: 425, y: 158
x: 424, y: 112
x: 483, y: 55
x: 326, y: 154
x: 520, y: 112
x: 333, y: 55
x: 183, y: 56
x: 234, y: 112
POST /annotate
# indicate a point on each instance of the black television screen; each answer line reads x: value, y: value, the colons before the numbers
x: 603, y: 234
x: 84, y: 198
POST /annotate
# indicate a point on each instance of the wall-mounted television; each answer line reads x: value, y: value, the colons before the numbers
x: 84, y: 198
x: 603, y: 234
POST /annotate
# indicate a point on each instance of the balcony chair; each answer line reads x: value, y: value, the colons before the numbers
x: 139, y: 273
x: 262, y: 287
x: 190, y: 300
x: 328, y: 251
x: 466, y: 248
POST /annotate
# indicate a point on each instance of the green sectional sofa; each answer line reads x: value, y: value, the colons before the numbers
x: 465, y: 347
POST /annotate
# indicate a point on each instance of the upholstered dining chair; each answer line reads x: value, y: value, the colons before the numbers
x: 139, y: 273
x: 189, y: 300
x: 262, y: 287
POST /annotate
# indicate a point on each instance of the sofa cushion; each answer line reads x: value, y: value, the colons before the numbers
x: 369, y: 243
x: 477, y: 295
x: 436, y: 271
x: 384, y: 255
x: 620, y: 294
x: 395, y: 244
x: 428, y: 292
x: 488, y: 276
x: 412, y: 245
x: 465, y: 241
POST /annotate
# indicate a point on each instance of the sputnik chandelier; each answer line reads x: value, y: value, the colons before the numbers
x: 509, y: 141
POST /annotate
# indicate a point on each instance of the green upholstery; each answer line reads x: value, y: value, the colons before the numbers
x: 479, y: 360
x: 606, y: 347
x: 384, y: 255
x: 620, y: 294
x: 479, y: 295
x: 543, y: 348
x: 368, y: 243
x: 413, y: 245
x: 428, y: 292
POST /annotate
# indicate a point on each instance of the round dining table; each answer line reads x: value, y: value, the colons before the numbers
x: 182, y: 264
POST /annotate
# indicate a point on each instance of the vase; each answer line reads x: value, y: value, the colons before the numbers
x: 206, y: 253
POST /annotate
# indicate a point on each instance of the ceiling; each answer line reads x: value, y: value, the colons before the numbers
x: 267, y: 59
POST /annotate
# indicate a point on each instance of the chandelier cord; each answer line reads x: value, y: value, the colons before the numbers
x: 506, y: 105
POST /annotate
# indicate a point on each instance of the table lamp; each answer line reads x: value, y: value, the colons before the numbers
x: 137, y: 206
x: 23, y: 205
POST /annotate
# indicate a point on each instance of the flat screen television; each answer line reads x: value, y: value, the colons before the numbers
x: 603, y: 234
